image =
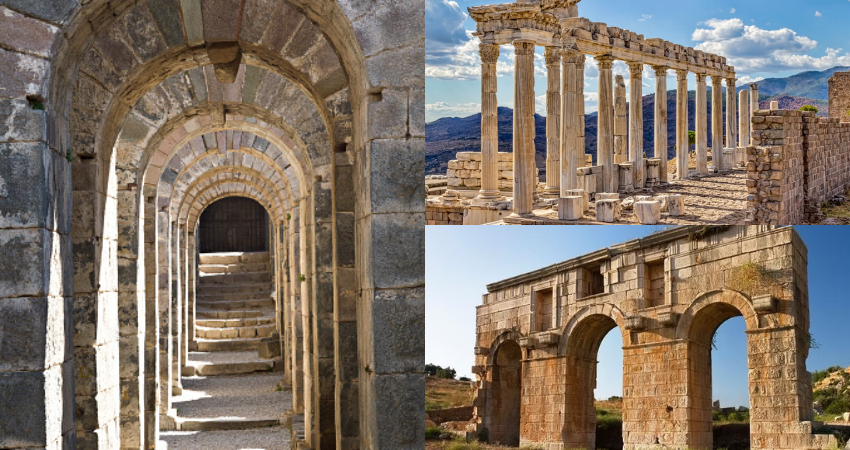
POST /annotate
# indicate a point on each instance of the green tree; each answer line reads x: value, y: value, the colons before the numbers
x: 808, y: 108
x: 692, y: 137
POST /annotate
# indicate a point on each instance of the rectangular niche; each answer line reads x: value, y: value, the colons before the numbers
x: 544, y: 312
x: 590, y: 281
x: 654, y: 283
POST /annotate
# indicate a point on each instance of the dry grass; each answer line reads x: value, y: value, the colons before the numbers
x: 750, y: 277
x: 442, y: 393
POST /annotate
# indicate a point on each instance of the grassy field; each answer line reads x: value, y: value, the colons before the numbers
x: 442, y: 393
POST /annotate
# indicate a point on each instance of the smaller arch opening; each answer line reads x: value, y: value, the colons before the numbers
x: 234, y: 224
x: 506, y: 394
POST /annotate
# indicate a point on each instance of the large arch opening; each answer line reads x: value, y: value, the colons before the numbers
x: 729, y: 386
x: 234, y: 224
x: 506, y: 394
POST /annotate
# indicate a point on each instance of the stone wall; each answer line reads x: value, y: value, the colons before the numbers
x: 839, y: 96
x: 443, y: 215
x: 459, y: 414
x: 710, y: 275
x: 797, y: 163
x: 465, y: 171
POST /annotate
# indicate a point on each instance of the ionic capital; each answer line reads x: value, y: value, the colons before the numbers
x: 523, y: 48
x: 660, y: 71
x: 635, y: 68
x: 552, y: 55
x: 489, y: 53
x: 604, y: 61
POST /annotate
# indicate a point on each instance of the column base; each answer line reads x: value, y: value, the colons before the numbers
x: 489, y: 196
x: 551, y: 192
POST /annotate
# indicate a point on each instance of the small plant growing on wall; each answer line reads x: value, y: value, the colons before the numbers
x: 751, y: 277
x: 288, y: 216
x: 302, y: 277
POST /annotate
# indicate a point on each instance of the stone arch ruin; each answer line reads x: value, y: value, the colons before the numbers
x: 667, y: 294
x: 121, y: 120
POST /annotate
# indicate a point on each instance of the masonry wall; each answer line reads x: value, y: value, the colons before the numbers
x: 465, y: 171
x: 839, y: 96
x: 443, y: 215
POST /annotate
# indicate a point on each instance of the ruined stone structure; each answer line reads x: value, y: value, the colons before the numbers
x: 556, y: 25
x: 121, y: 121
x: 839, y: 96
x: 538, y: 335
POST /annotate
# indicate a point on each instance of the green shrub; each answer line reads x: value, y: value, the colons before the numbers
x: 464, y: 446
x: 808, y: 108
x: 433, y: 432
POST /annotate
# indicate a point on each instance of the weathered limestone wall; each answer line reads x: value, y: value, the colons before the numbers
x: 839, y: 96
x: 797, y: 163
x: 666, y: 294
x: 443, y: 215
x: 465, y: 171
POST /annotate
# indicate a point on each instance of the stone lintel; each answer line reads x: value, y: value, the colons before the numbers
x: 764, y: 304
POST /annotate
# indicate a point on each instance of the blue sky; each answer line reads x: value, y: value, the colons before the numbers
x: 788, y: 37
x: 461, y: 261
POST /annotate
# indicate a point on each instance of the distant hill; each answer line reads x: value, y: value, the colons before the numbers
x: 447, y: 136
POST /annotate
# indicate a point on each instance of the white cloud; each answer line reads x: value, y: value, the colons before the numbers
x: 746, y: 79
x: 645, y: 17
x: 818, y: 14
x: 469, y: 108
x: 752, y: 49
x: 732, y: 11
x: 591, y: 97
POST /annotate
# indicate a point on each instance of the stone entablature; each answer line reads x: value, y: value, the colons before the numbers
x: 538, y: 335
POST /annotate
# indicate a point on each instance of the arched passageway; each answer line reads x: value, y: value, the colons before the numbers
x: 506, y: 394
x: 234, y: 224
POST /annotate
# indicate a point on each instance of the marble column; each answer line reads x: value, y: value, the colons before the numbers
x: 489, y: 124
x: 580, y: 110
x: 681, y: 124
x: 717, y: 121
x: 552, y: 56
x: 744, y: 120
x: 523, y: 142
x: 701, y: 125
x: 636, y: 122
x: 754, y: 106
x: 731, y: 116
x: 569, y: 140
x: 605, y: 130
x: 661, y: 120
x: 621, y: 126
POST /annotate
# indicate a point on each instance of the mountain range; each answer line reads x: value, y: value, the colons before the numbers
x: 447, y: 136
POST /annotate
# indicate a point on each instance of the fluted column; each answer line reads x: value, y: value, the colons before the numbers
x: 621, y: 126
x: 489, y: 124
x: 661, y: 120
x: 681, y: 124
x: 552, y: 55
x: 605, y: 131
x: 731, y: 113
x: 636, y: 121
x: 717, y: 121
x: 580, y: 109
x: 701, y: 125
x: 569, y: 141
x: 523, y: 143
x: 744, y: 120
x: 754, y: 106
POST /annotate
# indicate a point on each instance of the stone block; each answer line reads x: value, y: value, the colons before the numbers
x: 399, y: 339
x: 764, y: 304
x: 607, y: 211
x: 570, y: 208
x: 675, y: 204
x: 607, y: 196
x: 580, y: 193
x: 38, y: 401
x: 398, y: 254
x: 404, y: 191
x: 395, y: 411
x: 269, y: 348
x: 648, y: 212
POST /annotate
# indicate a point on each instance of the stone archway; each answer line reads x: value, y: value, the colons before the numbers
x: 506, y: 392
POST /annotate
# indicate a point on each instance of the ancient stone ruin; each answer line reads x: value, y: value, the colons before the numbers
x: 538, y: 335
x: 121, y: 123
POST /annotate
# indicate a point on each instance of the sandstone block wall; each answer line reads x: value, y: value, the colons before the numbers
x: 465, y: 171
x: 710, y: 274
x: 443, y: 215
x: 839, y: 96
x: 797, y: 163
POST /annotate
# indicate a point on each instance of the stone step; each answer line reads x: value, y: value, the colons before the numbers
x: 228, y: 296
x: 215, y: 288
x: 220, y: 424
x: 202, y: 313
x: 233, y: 278
x: 230, y: 305
x: 228, y: 345
x: 231, y: 368
x: 233, y: 257
x: 234, y: 268
x: 232, y: 323
x: 235, y: 332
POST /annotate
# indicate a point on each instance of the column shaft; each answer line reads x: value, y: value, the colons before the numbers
x: 621, y: 125
x: 570, y: 150
x: 580, y: 110
x: 552, y: 55
x: 681, y: 124
x: 754, y: 106
x: 717, y: 121
x: 605, y: 134
x: 701, y: 125
x: 636, y: 122
x: 489, y: 123
x: 523, y: 144
x: 661, y: 120
x: 744, y: 119
x: 731, y: 117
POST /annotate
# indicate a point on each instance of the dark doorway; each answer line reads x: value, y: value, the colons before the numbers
x: 234, y: 224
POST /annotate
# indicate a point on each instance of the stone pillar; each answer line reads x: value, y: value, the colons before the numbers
x: 731, y: 113
x: 701, y: 125
x: 153, y: 393
x: 605, y: 134
x: 164, y: 320
x: 717, y: 121
x: 681, y: 124
x: 552, y: 55
x: 661, y: 119
x: 636, y: 122
x: 580, y: 154
x: 621, y: 125
x: 295, y: 312
x: 744, y: 119
x: 489, y: 124
x: 523, y: 145
x: 754, y: 106
x: 569, y: 141
x: 176, y: 310
x: 191, y: 280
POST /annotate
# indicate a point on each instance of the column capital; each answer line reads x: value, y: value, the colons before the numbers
x: 660, y: 71
x: 552, y: 56
x: 635, y: 67
x: 489, y: 53
x: 731, y: 81
x: 604, y: 61
x: 523, y: 47
x: 754, y: 86
x: 716, y: 80
x: 681, y: 74
x: 571, y: 55
x: 580, y: 61
x: 700, y: 77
